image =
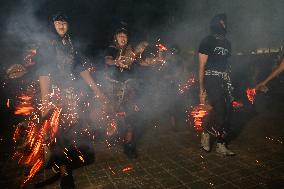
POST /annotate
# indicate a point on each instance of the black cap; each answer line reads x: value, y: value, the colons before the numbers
x: 60, y: 17
x: 121, y: 30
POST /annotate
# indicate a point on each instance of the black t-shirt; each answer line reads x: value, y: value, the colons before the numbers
x: 59, y: 61
x: 218, y: 50
x: 115, y: 72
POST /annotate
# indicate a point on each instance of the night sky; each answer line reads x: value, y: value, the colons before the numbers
x: 252, y: 24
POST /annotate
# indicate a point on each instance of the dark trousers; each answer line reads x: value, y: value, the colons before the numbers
x: 218, y: 98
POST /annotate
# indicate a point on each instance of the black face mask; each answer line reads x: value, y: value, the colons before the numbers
x: 215, y: 25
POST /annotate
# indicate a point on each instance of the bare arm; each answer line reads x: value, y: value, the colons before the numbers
x: 110, y: 61
x: 92, y: 84
x: 44, y: 82
x: 275, y: 72
x: 114, y: 62
x: 202, y: 58
x: 262, y: 85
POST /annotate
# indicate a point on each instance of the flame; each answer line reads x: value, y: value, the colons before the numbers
x: 8, y: 103
x: 126, y: 169
x: 25, y: 105
x: 198, y: 113
x: 23, y: 110
x: 39, y: 134
x: 236, y: 104
x: 35, y: 141
x: 251, y: 94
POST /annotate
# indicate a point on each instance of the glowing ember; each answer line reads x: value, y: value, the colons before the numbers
x: 22, y: 110
x: 161, y: 47
x: 121, y: 114
x: 127, y: 169
x: 8, y: 103
x: 112, y: 128
x: 236, y: 104
x: 198, y: 113
x: 25, y: 105
x: 251, y: 95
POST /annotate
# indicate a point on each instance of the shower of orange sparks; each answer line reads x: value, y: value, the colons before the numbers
x: 251, y: 94
x: 38, y: 164
x: 35, y: 140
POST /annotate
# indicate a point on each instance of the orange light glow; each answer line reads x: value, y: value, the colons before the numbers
x: 8, y: 103
x: 198, y: 113
x: 126, y: 169
x: 236, y: 104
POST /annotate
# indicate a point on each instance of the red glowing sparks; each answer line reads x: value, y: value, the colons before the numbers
x: 236, y: 104
x: 162, y: 47
x: 122, y: 114
x: 24, y: 110
x: 251, y: 94
x: 29, y: 57
x: 126, y: 169
x: 185, y: 86
x: 112, y: 128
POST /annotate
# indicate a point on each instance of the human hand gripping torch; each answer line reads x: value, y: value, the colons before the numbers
x: 16, y: 71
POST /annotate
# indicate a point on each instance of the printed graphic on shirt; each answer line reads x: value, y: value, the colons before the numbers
x: 221, y: 51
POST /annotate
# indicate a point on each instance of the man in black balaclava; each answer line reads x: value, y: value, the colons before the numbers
x: 215, y: 84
